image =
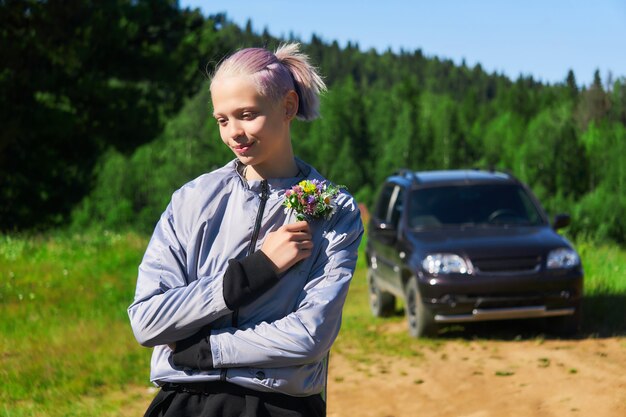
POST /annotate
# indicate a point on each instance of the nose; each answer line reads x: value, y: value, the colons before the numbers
x: 235, y: 130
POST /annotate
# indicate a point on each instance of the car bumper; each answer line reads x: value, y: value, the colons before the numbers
x: 462, y: 298
x: 504, y: 314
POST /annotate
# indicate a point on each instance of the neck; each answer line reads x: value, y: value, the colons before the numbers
x: 283, y: 167
x: 253, y: 173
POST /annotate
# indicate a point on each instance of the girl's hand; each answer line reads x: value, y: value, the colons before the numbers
x: 288, y: 245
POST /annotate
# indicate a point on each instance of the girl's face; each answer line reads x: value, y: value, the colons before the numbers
x: 255, y: 127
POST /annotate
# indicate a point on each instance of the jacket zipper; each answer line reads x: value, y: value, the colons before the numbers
x: 265, y: 192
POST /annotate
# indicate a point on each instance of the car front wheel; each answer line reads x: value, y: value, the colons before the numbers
x: 382, y: 303
x: 421, y: 320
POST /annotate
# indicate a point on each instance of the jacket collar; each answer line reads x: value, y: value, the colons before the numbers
x: 276, y: 184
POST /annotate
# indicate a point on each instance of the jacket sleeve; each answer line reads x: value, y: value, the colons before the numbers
x: 306, y: 334
x: 243, y: 281
x: 167, y: 307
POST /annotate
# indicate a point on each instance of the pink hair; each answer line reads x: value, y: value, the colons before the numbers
x: 277, y: 73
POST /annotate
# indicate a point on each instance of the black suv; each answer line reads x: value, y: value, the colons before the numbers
x: 467, y: 245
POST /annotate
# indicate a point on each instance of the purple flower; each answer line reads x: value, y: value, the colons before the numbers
x: 311, y: 199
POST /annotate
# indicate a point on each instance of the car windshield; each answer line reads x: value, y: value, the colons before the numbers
x: 472, y: 205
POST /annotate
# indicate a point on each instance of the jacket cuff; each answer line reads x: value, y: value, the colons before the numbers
x: 194, y: 352
x: 247, y: 278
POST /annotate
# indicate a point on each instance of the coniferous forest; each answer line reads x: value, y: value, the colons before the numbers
x: 106, y: 111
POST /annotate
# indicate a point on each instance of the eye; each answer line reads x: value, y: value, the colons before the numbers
x: 222, y: 121
x: 248, y: 115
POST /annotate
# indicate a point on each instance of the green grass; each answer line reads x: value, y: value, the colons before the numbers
x: 64, y: 332
x: 66, y: 345
x: 605, y: 268
x: 604, y: 306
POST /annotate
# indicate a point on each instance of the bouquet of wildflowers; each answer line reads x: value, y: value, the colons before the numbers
x: 311, y: 199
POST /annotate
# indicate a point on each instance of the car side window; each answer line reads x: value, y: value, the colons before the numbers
x: 382, y: 208
x: 398, y: 205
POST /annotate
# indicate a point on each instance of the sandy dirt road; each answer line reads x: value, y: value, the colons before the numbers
x: 545, y: 378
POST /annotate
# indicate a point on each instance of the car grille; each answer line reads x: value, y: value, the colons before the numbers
x: 519, y: 264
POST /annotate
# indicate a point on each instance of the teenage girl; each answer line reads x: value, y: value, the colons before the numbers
x: 240, y: 301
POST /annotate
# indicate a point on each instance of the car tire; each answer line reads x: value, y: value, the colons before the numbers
x: 382, y: 304
x: 420, y: 319
x: 566, y: 325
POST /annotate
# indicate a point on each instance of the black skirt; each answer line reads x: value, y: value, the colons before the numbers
x: 223, y: 399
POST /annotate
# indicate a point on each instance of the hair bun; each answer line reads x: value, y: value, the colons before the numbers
x: 287, y: 50
x: 308, y: 83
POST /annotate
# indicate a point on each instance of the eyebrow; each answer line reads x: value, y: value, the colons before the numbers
x: 240, y: 110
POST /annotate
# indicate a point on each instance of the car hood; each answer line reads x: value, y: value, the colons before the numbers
x: 489, y: 241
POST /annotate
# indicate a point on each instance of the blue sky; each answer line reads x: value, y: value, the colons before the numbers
x: 542, y: 38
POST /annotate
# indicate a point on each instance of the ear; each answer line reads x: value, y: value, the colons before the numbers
x: 291, y: 103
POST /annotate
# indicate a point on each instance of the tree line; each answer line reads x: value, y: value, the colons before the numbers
x: 105, y: 135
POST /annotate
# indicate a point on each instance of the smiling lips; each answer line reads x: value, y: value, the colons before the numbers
x: 243, y: 148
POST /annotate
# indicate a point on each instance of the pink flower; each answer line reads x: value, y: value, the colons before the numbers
x: 311, y: 199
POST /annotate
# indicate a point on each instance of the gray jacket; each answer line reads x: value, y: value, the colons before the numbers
x: 282, y: 337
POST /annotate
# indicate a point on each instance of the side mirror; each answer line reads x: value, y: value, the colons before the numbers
x: 560, y: 221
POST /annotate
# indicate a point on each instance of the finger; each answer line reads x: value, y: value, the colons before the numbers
x: 301, y: 226
x: 304, y: 253
x: 306, y: 245
x: 300, y: 236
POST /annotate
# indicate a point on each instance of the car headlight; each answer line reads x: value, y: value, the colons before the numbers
x: 562, y: 258
x: 446, y: 263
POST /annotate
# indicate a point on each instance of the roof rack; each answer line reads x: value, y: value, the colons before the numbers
x: 407, y: 173
x: 493, y: 169
x: 510, y: 174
